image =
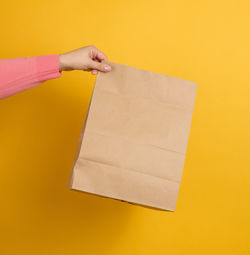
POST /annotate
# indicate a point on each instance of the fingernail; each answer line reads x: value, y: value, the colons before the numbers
x: 107, y: 68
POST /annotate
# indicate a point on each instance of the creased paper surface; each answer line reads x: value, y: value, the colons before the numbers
x: 135, y: 137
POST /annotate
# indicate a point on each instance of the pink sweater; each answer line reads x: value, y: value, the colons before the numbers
x: 20, y: 74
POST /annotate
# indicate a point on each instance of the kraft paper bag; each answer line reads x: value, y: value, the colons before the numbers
x: 135, y: 136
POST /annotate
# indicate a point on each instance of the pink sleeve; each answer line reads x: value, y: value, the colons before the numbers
x: 20, y: 74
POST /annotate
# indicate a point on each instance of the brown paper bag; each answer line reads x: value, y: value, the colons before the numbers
x: 135, y: 136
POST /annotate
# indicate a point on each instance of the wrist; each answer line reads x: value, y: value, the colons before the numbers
x: 62, y: 63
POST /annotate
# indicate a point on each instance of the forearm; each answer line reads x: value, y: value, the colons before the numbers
x: 20, y: 74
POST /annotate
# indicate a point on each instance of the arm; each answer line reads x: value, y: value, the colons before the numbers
x: 20, y: 74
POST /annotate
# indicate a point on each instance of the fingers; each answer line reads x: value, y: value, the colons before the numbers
x: 94, y: 72
x: 99, y: 66
x: 96, y: 54
x: 101, y: 56
x: 96, y: 61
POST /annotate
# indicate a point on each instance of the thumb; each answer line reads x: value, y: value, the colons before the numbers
x: 99, y: 66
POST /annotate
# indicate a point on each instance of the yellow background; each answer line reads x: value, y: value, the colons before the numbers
x: 203, y: 41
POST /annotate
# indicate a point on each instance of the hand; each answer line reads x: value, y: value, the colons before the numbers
x: 87, y: 58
